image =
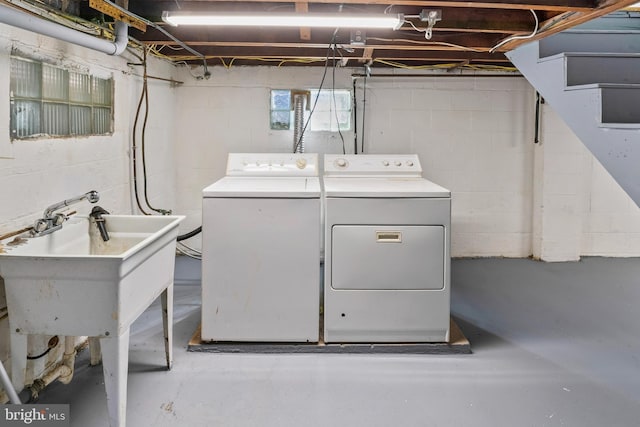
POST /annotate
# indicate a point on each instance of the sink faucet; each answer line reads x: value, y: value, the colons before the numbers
x: 52, y: 221
x: 96, y: 214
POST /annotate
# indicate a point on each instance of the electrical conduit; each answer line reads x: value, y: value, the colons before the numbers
x: 15, y: 18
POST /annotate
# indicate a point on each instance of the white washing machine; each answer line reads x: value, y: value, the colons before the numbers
x: 387, y: 251
x: 260, y: 250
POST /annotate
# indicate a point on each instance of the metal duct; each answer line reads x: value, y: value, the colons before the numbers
x: 15, y: 18
x: 299, y: 100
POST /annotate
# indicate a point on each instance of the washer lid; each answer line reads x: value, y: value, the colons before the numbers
x: 264, y: 187
x: 383, y: 187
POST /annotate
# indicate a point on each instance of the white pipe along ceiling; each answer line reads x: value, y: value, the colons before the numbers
x: 15, y: 18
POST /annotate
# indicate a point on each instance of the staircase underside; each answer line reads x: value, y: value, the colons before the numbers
x: 591, y: 78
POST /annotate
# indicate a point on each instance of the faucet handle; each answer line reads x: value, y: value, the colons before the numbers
x: 40, y: 225
x: 58, y: 219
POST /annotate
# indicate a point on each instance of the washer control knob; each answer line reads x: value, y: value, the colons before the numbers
x: 341, y: 163
x: 385, y: 162
x: 409, y: 163
x: 398, y: 163
x: 301, y: 163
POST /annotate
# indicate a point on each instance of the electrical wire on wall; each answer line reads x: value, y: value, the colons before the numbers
x: 332, y: 47
x: 364, y: 111
x: 315, y: 102
x: 144, y: 98
x: 355, y: 118
x: 333, y: 93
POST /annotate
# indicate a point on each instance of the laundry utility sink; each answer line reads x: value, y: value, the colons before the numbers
x: 73, y: 283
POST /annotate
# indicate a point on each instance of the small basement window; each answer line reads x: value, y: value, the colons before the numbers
x: 49, y: 100
x: 332, y: 111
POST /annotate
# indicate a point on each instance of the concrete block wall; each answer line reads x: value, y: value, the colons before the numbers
x: 560, y: 174
x: 230, y: 113
x: 579, y: 209
x: 40, y: 171
x: 474, y: 136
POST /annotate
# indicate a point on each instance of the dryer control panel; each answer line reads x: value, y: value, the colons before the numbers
x: 272, y: 164
x: 372, y: 164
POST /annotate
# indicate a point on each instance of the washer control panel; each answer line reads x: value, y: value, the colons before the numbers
x: 272, y: 164
x: 372, y: 164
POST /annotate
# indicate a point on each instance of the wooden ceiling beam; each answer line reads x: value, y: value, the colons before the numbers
x: 569, y: 20
x: 370, y: 53
x: 480, y: 20
x: 549, y: 5
x: 435, y: 46
x: 305, y: 32
x: 431, y: 59
x: 367, y: 54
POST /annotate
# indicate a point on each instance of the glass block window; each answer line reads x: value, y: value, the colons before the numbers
x: 332, y: 112
x: 49, y: 100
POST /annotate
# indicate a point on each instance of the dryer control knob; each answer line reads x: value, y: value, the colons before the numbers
x: 398, y: 163
x: 341, y: 163
x: 301, y: 163
x: 385, y: 162
x: 409, y: 163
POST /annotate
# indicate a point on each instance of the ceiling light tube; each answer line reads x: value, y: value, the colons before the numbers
x: 341, y: 20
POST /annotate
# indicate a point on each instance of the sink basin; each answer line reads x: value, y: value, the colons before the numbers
x: 72, y: 283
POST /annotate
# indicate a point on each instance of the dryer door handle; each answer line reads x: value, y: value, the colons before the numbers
x: 388, y: 236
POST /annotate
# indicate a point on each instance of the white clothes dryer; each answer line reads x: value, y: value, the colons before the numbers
x: 260, y: 250
x: 387, y: 251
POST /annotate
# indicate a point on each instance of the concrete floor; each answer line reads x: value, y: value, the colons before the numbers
x: 553, y: 345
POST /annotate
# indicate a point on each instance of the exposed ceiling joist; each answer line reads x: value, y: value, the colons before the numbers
x: 303, y: 7
x: 469, y: 33
x: 550, y: 5
x: 567, y: 20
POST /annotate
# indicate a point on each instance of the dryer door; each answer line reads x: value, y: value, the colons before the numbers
x: 387, y: 257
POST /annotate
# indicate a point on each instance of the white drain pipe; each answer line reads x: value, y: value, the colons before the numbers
x: 15, y: 18
x: 63, y: 371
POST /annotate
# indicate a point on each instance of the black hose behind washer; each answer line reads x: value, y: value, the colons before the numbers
x: 190, y: 234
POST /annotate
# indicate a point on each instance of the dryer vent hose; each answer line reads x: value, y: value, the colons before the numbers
x: 299, y: 101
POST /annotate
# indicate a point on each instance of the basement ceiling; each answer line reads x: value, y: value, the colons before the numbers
x: 470, y: 34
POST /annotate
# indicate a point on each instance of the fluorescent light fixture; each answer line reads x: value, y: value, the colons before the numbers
x: 338, y: 20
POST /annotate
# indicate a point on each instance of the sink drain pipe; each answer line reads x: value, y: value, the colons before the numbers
x: 63, y: 372
x: 15, y: 18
